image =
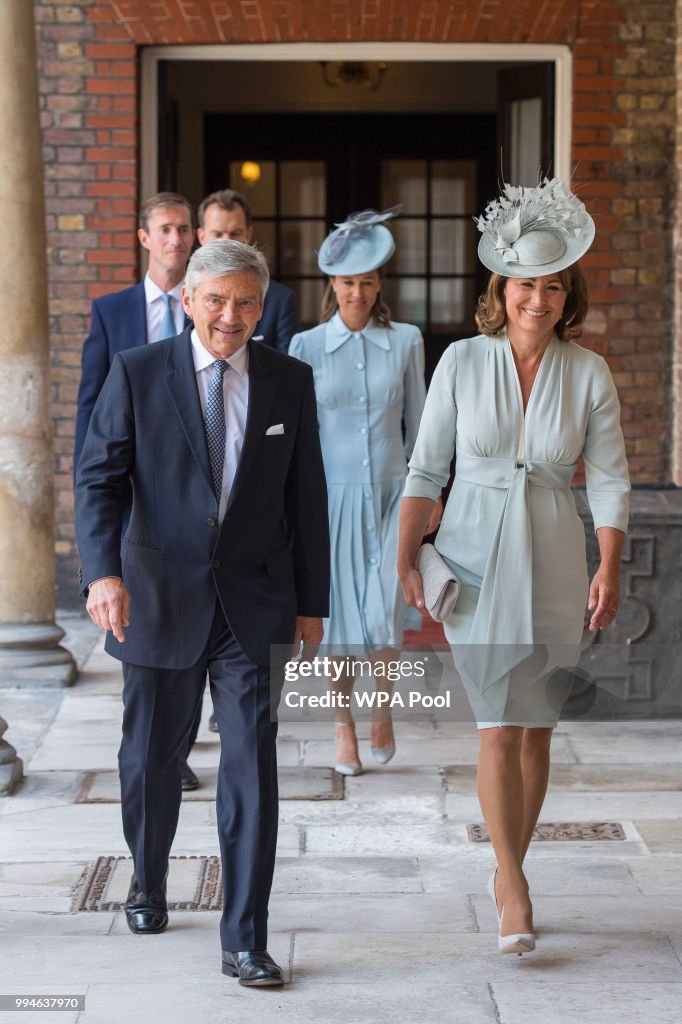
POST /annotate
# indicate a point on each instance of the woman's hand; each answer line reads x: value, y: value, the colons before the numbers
x: 434, y: 518
x: 604, y: 598
x: 413, y: 590
x: 605, y: 587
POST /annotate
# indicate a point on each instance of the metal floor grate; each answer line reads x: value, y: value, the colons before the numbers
x: 561, y: 831
x: 195, y: 882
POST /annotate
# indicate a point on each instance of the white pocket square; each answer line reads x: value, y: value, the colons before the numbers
x: 276, y: 428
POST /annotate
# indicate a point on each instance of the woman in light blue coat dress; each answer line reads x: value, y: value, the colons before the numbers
x: 519, y: 406
x: 369, y: 383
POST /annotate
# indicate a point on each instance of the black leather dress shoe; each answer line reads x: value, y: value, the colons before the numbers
x: 213, y: 723
x: 146, y: 912
x: 253, y: 967
x: 189, y: 779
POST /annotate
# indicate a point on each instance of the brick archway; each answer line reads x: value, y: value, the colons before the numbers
x: 623, y: 154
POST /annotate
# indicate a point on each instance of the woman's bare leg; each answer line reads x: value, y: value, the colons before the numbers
x: 501, y: 795
x: 382, y: 725
x: 535, y: 746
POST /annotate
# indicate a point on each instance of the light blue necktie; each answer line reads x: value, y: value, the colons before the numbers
x: 215, y: 425
x: 168, y: 329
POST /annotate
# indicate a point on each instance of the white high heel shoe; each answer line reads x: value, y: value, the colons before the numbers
x: 521, y: 942
x: 493, y: 896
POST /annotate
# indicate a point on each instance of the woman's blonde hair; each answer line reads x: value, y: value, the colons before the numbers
x: 491, y: 313
x: 381, y: 314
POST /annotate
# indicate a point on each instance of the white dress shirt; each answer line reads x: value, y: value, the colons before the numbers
x: 156, y: 307
x: 236, y: 399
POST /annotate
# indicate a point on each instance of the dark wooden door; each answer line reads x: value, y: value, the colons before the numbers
x: 315, y: 169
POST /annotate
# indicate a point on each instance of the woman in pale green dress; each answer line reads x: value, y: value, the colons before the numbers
x: 519, y: 405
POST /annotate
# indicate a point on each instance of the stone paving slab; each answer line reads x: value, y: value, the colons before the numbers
x: 468, y: 869
x: 574, y: 778
x: 222, y: 999
x: 588, y: 1003
x: 367, y: 875
x: 595, y: 913
x: 391, y: 839
x: 391, y: 912
x: 657, y: 875
x: 387, y: 958
x: 619, y: 743
x: 661, y: 836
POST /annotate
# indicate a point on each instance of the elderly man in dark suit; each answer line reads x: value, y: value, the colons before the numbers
x: 226, y: 554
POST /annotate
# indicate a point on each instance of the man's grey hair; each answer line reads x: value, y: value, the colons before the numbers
x: 221, y: 257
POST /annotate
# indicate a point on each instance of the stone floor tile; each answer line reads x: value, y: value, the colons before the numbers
x: 611, y: 806
x: 657, y: 875
x: 391, y: 912
x: 628, y: 778
x: 473, y: 957
x: 385, y: 839
x: 367, y: 875
x: 661, y: 836
x: 618, y: 742
x: 583, y: 1002
x: 594, y: 913
x: 15, y: 925
x: 216, y: 999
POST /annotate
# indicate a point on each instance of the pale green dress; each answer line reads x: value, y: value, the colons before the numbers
x: 510, y: 528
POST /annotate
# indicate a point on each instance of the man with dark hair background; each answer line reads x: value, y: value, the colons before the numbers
x: 227, y: 214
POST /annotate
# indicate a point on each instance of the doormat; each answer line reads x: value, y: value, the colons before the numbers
x: 194, y: 883
x: 561, y: 831
x: 295, y: 783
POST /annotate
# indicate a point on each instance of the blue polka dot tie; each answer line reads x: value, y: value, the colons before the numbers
x: 215, y: 424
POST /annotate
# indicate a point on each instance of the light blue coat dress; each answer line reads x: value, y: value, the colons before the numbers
x: 368, y: 385
x: 510, y: 528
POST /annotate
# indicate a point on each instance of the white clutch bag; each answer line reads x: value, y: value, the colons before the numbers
x: 441, y: 585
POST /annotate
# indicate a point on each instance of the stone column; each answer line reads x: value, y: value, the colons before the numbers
x: 11, y: 768
x: 29, y: 639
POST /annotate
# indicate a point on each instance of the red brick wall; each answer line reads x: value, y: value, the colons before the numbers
x: 623, y: 150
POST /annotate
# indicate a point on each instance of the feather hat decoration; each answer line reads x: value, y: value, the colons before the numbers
x: 359, y: 244
x: 530, y: 232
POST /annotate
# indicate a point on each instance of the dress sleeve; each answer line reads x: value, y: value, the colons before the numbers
x: 415, y: 391
x: 295, y: 347
x: 435, y: 445
x: 606, y: 469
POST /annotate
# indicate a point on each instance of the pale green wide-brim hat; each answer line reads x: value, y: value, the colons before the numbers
x: 532, y: 232
x: 360, y: 244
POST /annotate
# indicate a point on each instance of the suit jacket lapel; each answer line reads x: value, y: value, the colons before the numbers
x: 262, y: 388
x: 182, y: 387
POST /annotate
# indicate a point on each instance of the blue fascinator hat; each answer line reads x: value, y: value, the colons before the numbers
x: 360, y: 244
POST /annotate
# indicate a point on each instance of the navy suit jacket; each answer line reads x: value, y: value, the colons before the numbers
x: 119, y: 322
x: 268, y: 562
x: 279, y: 322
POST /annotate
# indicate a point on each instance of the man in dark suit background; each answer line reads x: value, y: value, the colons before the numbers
x: 226, y: 554
x: 227, y: 214
x: 146, y: 312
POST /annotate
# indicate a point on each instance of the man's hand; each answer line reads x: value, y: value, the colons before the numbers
x: 309, y: 632
x: 108, y: 605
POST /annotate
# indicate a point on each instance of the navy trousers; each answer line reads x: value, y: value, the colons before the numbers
x: 160, y: 708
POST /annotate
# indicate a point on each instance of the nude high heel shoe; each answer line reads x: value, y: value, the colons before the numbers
x: 383, y: 754
x: 352, y: 767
